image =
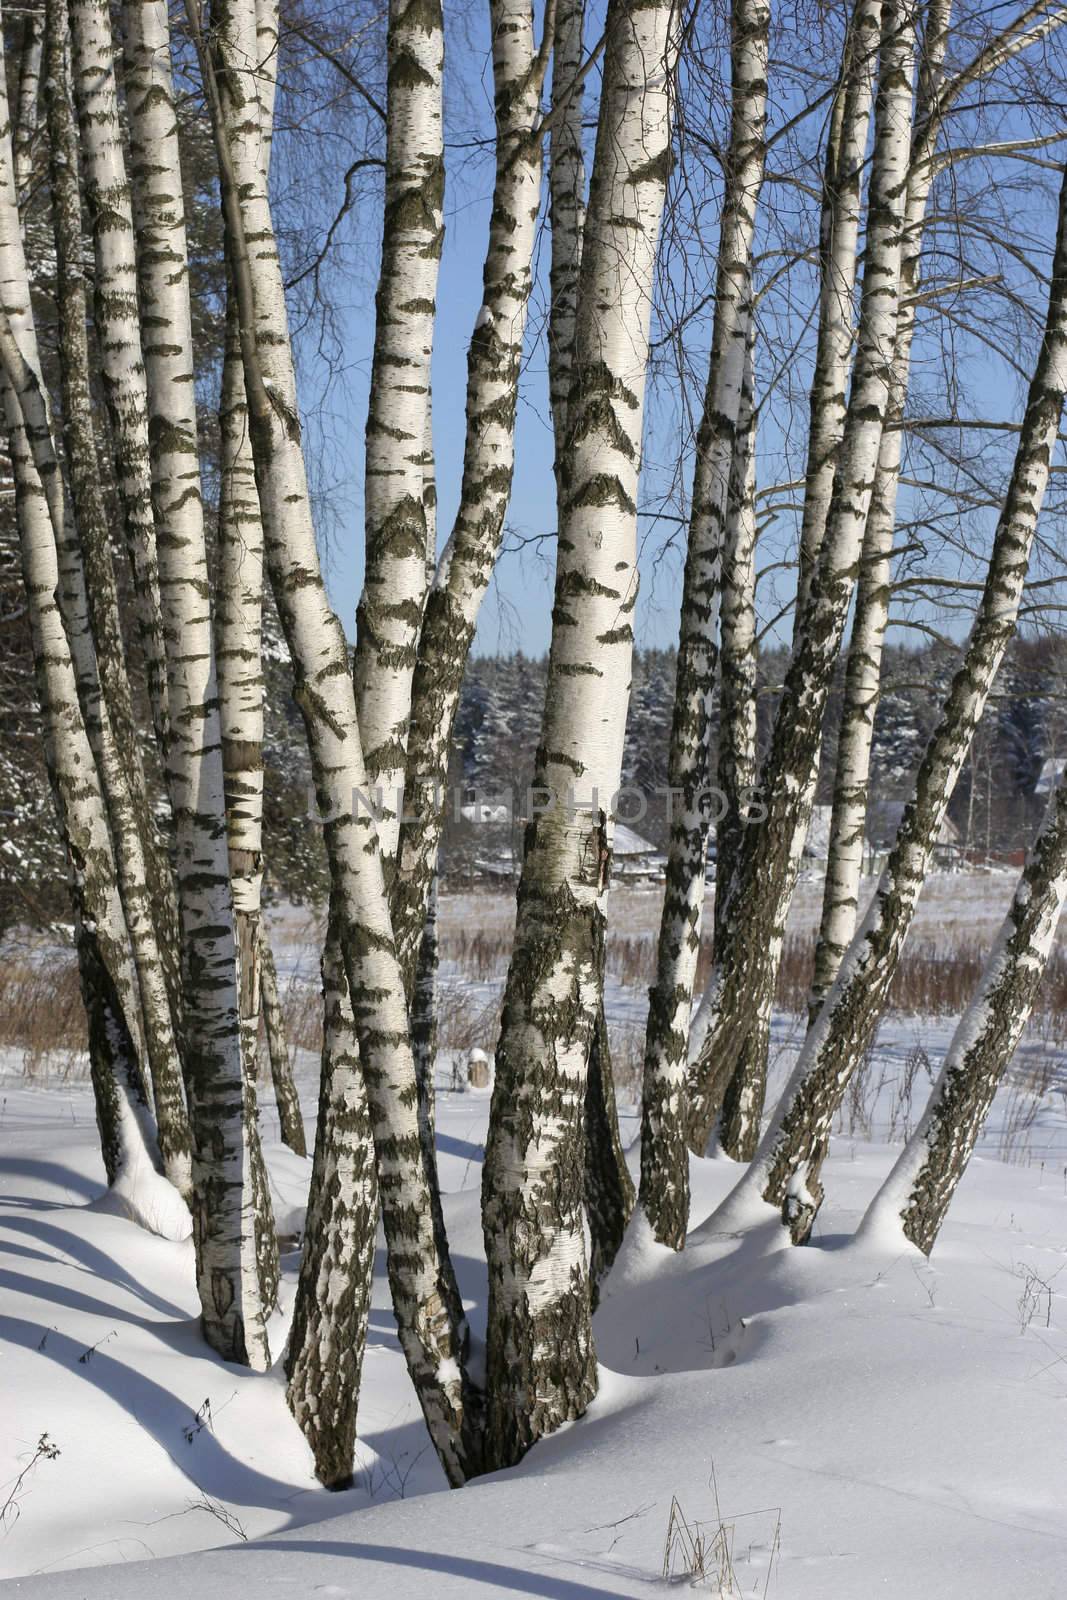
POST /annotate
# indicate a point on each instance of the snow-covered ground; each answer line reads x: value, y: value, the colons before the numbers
x: 842, y: 1420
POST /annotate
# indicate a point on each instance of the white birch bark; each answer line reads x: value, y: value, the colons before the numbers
x: 770, y: 853
x: 664, y: 1193
x: 742, y: 1079
x: 915, y: 1197
x: 541, y: 1363
x: 394, y: 582
x: 236, y: 1245
x: 420, y: 1277
x: 290, y: 1116
x: 91, y: 613
x: 738, y: 1131
x: 107, y: 199
x: 566, y: 199
x: 109, y: 983
x: 326, y: 1344
x: 493, y: 362
x: 839, y: 225
x: 786, y: 1169
x: 863, y: 672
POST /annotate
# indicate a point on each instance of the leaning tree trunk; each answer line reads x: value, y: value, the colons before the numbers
x: 421, y: 1277
x: 770, y: 852
x: 863, y: 672
x: 786, y: 1169
x: 664, y: 1194
x: 394, y: 579
x: 541, y: 1363
x: 91, y: 608
x: 916, y: 1195
x: 742, y: 1074
x: 236, y: 1243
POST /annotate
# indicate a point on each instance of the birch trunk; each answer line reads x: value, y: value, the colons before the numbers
x: 109, y: 983
x: 424, y: 1029
x: 915, y: 1197
x: 28, y: 116
x: 664, y: 1157
x: 394, y: 581
x: 493, y: 361
x: 325, y: 1356
x: 290, y: 1117
x: 770, y: 853
x: 91, y: 612
x: 609, y: 1189
x: 737, y: 774
x: 839, y: 225
x: 738, y: 1132
x: 863, y: 672
x: 107, y: 199
x: 786, y: 1169
x: 566, y: 199
x: 421, y: 1279
x: 743, y: 1076
x: 238, y: 623
x: 541, y: 1363
x: 238, y: 648
x: 236, y: 1243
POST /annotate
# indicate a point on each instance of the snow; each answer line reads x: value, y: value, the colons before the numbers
x: 859, y: 1420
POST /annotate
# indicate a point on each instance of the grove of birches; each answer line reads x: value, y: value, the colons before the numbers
x: 786, y: 287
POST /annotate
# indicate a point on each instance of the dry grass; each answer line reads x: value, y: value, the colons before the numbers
x: 41, y: 1013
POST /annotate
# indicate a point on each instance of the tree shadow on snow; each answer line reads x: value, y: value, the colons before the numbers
x: 437, y: 1562
x: 88, y: 1258
x: 65, y: 1178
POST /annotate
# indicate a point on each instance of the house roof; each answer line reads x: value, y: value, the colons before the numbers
x: 629, y: 843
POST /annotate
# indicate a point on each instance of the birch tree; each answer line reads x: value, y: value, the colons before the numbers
x: 394, y: 581
x: 737, y: 755
x: 95, y: 630
x: 324, y: 1359
x: 541, y: 1364
x: 863, y: 671
x: 839, y: 227
x: 785, y: 1172
x: 664, y: 1191
x: 917, y: 1194
x: 27, y: 120
x: 742, y: 1076
x: 109, y: 985
x: 770, y: 853
x: 424, y: 1296
x: 470, y: 555
x: 151, y: 397
x: 115, y: 313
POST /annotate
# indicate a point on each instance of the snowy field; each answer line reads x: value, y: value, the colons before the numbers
x: 826, y: 1423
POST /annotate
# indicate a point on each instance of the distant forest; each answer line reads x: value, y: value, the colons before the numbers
x: 995, y: 807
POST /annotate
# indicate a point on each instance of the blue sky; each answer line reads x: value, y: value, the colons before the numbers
x: 516, y: 612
